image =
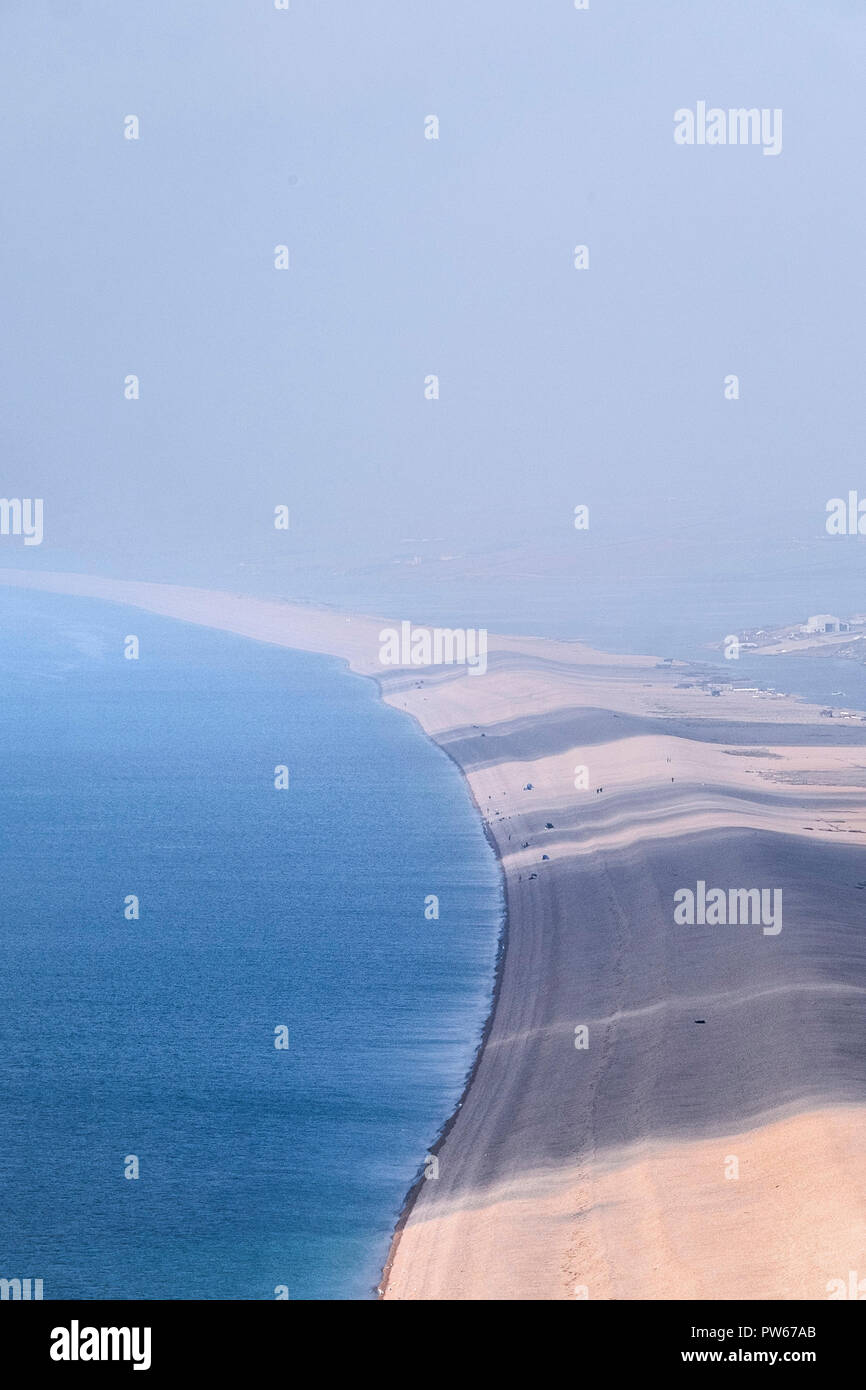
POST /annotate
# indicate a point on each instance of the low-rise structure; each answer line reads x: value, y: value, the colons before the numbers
x: 825, y: 622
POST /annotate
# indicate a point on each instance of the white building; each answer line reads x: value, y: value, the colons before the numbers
x: 824, y: 622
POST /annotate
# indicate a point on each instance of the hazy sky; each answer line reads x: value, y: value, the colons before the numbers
x: 412, y: 256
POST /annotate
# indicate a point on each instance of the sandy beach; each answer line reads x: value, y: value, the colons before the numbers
x: 659, y: 1110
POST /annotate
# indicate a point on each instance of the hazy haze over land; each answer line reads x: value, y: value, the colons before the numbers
x: 452, y: 257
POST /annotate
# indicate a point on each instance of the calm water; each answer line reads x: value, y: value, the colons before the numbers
x: 259, y: 907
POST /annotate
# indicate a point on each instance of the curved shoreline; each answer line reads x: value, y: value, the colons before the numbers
x: 154, y: 598
x: 563, y: 1169
x: 501, y: 947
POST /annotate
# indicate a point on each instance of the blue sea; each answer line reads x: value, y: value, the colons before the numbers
x: 154, y: 1039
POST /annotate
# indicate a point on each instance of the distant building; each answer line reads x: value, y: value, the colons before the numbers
x: 825, y: 622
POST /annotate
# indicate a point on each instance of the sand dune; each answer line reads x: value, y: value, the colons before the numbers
x: 660, y: 1221
x: 605, y: 1171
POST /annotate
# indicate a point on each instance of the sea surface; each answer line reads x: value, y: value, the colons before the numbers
x: 154, y: 1039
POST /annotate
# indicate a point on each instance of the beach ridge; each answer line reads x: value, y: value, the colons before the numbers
x: 605, y: 785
